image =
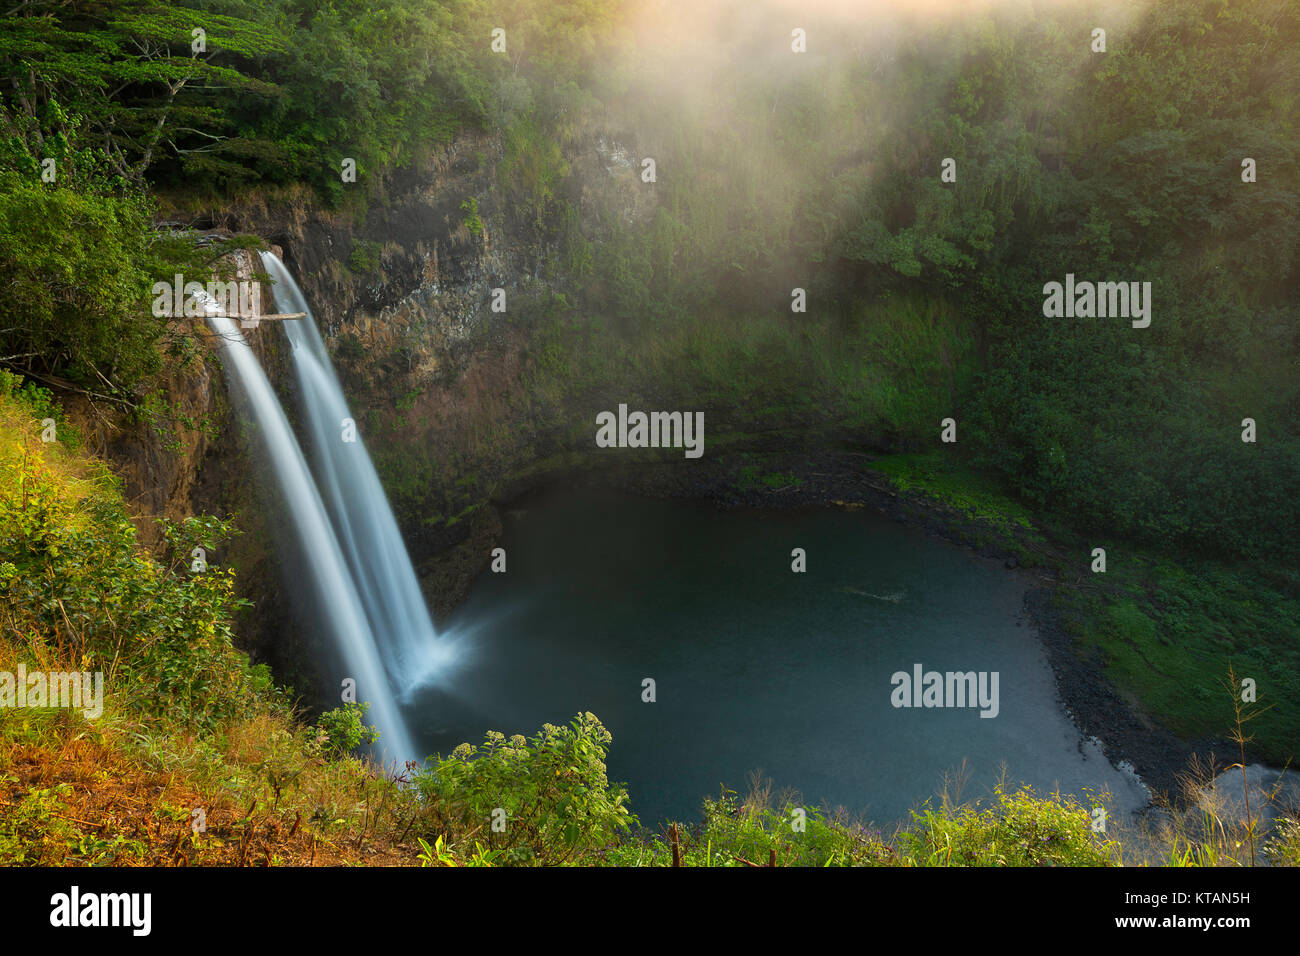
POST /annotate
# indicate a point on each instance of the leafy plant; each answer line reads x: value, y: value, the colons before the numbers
x: 1018, y: 830
x: 364, y: 256
x: 541, y: 799
x: 344, y: 728
x: 472, y: 221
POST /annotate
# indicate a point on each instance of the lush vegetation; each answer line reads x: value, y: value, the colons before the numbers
x: 1168, y: 630
x: 925, y: 296
x: 216, y: 770
x: 76, y: 582
x: 775, y: 172
x: 219, y: 95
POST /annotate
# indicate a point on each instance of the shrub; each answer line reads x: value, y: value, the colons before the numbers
x: 552, y: 787
x: 76, y: 582
x: 746, y: 832
x: 1019, y: 830
x: 344, y: 729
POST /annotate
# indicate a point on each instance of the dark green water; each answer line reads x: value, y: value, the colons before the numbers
x: 756, y: 667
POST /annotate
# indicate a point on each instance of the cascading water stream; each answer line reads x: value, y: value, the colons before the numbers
x: 326, y: 571
x: 362, y: 519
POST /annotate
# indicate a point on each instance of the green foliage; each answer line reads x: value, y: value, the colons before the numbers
x: 472, y: 221
x: 77, y: 266
x: 1019, y: 830
x: 170, y: 423
x: 940, y: 479
x: 1168, y: 632
x: 532, y: 170
x: 76, y: 582
x: 406, y: 402
x: 348, y: 348
x: 33, y: 833
x: 801, y: 836
x: 1284, y: 848
x: 40, y: 404
x: 750, y: 480
x: 79, y: 253
x: 440, y: 855
x: 364, y: 257
x: 344, y: 729
x: 557, y: 800
x: 131, y: 72
x: 1138, y: 431
x: 279, y: 93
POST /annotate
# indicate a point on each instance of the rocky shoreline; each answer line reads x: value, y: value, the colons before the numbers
x: 842, y: 478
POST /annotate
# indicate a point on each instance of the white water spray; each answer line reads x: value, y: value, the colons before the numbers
x: 326, y: 571
x: 358, y: 508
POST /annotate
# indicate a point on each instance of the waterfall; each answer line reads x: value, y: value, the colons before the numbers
x: 361, y: 579
x: 326, y: 571
x: 358, y: 508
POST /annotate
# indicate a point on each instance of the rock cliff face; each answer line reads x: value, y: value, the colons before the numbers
x: 154, y: 454
x: 428, y: 300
